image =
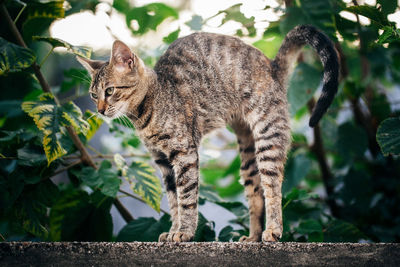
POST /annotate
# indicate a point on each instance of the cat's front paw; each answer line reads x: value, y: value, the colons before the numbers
x: 272, y: 235
x: 163, y: 237
x: 175, y: 237
x: 254, y: 238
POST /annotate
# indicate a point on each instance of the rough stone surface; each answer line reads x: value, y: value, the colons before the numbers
x: 197, y: 254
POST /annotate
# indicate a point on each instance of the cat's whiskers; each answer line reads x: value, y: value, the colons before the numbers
x: 123, y: 119
x: 83, y: 79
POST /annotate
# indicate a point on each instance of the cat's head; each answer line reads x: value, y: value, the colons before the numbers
x: 118, y: 85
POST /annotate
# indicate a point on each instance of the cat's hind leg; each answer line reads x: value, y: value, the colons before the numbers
x: 271, y: 134
x: 251, y: 180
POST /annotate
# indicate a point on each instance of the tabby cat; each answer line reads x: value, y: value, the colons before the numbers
x: 203, y: 82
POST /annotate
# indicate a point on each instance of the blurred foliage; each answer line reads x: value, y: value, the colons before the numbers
x: 342, y: 181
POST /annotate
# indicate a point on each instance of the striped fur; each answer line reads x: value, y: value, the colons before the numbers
x: 202, y: 82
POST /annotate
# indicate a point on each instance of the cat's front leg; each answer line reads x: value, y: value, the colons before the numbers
x: 186, y: 168
x: 170, y: 186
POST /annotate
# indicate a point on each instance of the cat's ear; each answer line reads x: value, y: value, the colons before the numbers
x: 90, y: 65
x: 122, y: 59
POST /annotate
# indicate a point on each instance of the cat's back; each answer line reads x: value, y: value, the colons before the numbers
x: 207, y: 59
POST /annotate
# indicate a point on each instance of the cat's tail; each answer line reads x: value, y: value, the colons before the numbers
x: 287, y: 55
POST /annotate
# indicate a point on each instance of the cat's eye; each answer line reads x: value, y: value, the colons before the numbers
x: 109, y: 91
x: 94, y: 95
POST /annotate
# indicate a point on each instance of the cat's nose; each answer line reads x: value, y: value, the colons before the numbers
x: 101, y: 111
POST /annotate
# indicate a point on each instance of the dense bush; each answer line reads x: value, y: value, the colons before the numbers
x: 342, y: 179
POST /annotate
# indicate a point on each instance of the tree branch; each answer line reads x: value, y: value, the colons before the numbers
x: 319, y: 150
x: 85, y: 156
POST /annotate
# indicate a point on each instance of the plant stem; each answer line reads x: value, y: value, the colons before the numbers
x: 66, y: 168
x: 45, y: 58
x: 2, y: 237
x: 85, y: 156
x: 20, y: 12
x: 138, y: 198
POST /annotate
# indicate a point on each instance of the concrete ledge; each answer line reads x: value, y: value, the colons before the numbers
x: 197, y: 254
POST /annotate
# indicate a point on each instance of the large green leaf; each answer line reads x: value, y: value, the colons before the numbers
x: 144, y: 229
x: 142, y: 181
x: 82, y: 51
x: 388, y: 136
x: 104, y: 179
x: 370, y: 12
x: 388, y: 6
x: 76, y: 78
x: 302, y: 86
x: 296, y: 169
x: 39, y: 16
x: 49, y: 118
x: 14, y: 57
x: 205, y: 230
x: 341, y: 231
x: 32, y: 207
x: 76, y: 216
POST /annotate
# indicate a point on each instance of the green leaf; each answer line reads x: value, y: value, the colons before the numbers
x: 227, y: 234
x: 308, y: 227
x: 55, y: 42
x: 80, y: 5
x: 196, y: 23
x: 76, y: 78
x: 205, y: 230
x: 388, y: 6
x: 32, y: 216
x: 50, y: 9
x: 76, y: 216
x: 14, y: 57
x: 104, y: 179
x: 270, y: 44
x: 94, y: 123
x: 207, y: 192
x: 296, y: 169
x: 148, y: 17
x: 172, y: 36
x: 142, y: 181
x: 30, y: 157
x: 341, y: 231
x: 352, y: 141
x: 318, y: 13
x: 387, y: 33
x: 39, y: 16
x: 388, y: 136
x: 121, y: 5
x: 71, y: 115
x: 302, y: 86
x: 237, y: 208
x: 370, y: 12
x: 144, y: 229
x: 233, y: 13
x: 49, y: 118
